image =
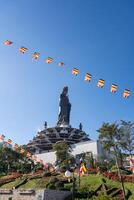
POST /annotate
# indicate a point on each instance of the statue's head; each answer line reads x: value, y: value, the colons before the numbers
x: 65, y: 90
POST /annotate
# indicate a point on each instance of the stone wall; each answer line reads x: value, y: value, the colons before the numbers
x: 35, y: 195
x: 21, y: 195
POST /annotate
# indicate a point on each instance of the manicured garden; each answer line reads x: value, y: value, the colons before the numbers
x: 87, y: 177
x: 92, y: 186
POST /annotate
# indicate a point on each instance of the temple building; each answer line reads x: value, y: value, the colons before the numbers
x: 44, y: 140
x: 42, y: 143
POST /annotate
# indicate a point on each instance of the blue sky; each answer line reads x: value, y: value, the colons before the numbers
x: 92, y: 35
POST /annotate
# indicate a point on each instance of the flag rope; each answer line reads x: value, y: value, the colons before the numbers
x: 75, y: 71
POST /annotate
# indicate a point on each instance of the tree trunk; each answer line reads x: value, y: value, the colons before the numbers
x: 119, y: 173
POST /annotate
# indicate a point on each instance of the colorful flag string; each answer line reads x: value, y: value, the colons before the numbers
x: 75, y: 71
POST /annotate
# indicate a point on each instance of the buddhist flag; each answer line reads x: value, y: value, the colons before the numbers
x: 75, y: 71
x: 35, y: 55
x: 9, y: 141
x: 100, y: 83
x: 41, y: 161
x: 8, y: 42
x: 83, y: 169
x: 61, y: 64
x: 46, y: 166
x: 28, y: 155
x: 131, y: 163
x: 2, y: 137
x: 126, y: 93
x: 113, y: 88
x: 22, y: 151
x: 16, y: 146
x: 34, y: 157
x: 88, y: 77
x: 49, y: 60
x: 22, y: 49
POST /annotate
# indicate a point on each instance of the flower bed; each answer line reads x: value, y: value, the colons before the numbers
x: 92, y: 171
x: 10, y: 178
x: 37, y: 174
x: 114, y: 176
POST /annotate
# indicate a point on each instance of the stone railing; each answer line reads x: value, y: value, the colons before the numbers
x: 21, y: 194
x: 34, y: 194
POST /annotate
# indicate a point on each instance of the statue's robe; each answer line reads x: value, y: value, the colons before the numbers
x: 65, y: 107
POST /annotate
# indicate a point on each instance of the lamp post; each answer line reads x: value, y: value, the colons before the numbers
x: 68, y: 174
x: 106, y: 162
x: 73, y: 195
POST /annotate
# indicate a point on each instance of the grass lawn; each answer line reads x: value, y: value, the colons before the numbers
x: 90, y: 182
x: 39, y: 183
x: 93, y: 181
x: 11, y: 184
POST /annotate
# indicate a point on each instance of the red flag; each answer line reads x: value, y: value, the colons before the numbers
x: 2, y: 137
x: 61, y: 64
x: 49, y: 60
x: 16, y: 146
x: 9, y: 141
x: 8, y: 42
x: 22, y: 151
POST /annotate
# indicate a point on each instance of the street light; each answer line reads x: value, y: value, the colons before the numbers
x: 68, y: 174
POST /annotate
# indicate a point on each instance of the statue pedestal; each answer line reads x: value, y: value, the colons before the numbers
x: 64, y: 125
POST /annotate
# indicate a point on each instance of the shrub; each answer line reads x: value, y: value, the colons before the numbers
x: 2, y: 174
x: 126, y: 172
x: 84, y: 192
x: 92, y: 171
x: 103, y: 180
x: 68, y: 186
x: 46, y: 174
x: 84, y: 189
x: 114, y: 168
x: 51, y: 186
x: 53, y: 180
x: 63, y: 169
x: 104, y: 197
x: 114, y: 176
x: 59, y: 185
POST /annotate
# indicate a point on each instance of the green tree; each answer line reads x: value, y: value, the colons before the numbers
x: 127, y: 142
x: 7, y: 158
x: 62, y: 150
x: 110, y: 135
x: 11, y: 160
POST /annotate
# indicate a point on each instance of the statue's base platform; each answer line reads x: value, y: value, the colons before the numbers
x: 45, y: 139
